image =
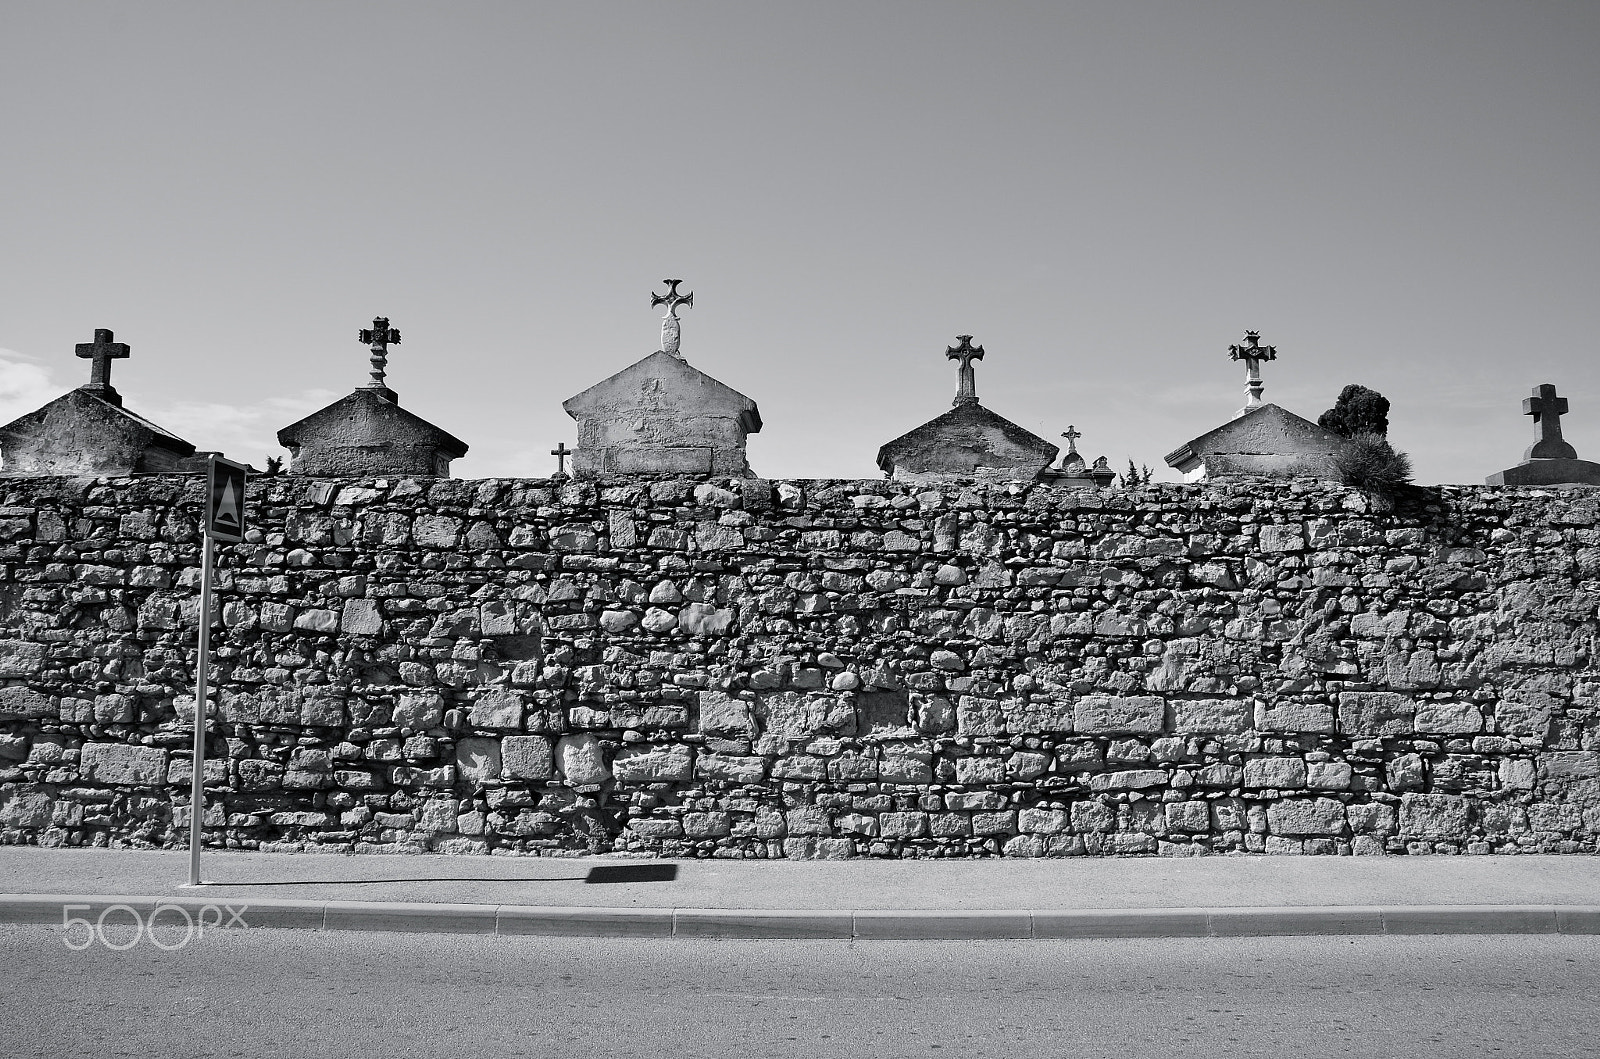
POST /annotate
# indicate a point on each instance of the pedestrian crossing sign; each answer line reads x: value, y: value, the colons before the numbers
x: 225, y: 500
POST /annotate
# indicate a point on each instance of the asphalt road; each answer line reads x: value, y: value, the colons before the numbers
x: 307, y: 993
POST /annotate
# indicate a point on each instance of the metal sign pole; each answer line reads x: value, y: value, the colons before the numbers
x: 197, y: 796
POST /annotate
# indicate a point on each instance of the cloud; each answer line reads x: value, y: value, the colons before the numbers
x: 243, y: 432
x: 24, y: 386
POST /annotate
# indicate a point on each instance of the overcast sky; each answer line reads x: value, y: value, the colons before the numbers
x: 1106, y: 195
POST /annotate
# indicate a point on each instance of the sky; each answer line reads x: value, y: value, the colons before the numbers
x: 1404, y: 195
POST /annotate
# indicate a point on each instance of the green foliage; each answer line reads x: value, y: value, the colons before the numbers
x: 1369, y: 462
x: 1357, y: 411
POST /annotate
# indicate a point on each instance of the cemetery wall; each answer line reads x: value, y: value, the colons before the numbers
x: 808, y: 669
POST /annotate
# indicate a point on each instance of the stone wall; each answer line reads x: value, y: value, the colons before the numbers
x: 750, y: 668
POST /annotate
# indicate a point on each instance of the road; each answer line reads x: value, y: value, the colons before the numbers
x: 308, y: 993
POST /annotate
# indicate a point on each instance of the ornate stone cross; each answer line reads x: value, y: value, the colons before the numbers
x: 102, y: 351
x: 561, y: 452
x: 1545, y: 408
x: 1072, y: 434
x: 669, y: 323
x: 1253, y: 353
x: 379, y: 338
x: 966, y: 353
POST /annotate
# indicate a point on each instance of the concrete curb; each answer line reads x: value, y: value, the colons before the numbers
x: 233, y: 912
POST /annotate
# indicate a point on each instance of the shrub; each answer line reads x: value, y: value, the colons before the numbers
x: 1357, y: 411
x: 1369, y: 462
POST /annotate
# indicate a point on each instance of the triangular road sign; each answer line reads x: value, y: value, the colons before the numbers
x: 225, y: 500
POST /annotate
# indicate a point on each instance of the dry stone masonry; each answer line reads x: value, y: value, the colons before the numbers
x: 746, y: 668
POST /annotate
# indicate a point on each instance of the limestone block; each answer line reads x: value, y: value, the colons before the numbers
x: 527, y: 757
x: 574, y: 537
x: 1434, y: 816
x: 419, y: 710
x: 1563, y: 768
x: 909, y: 768
x: 1127, y: 780
x: 1530, y: 714
x: 1448, y: 718
x: 581, y: 761
x: 1376, y: 713
x: 1119, y: 715
x: 792, y: 716
x: 1294, y: 717
x: 497, y: 708
x: 723, y: 715
x: 25, y: 808
x: 730, y: 768
x: 1189, y: 817
x: 1517, y: 774
x: 361, y: 617
x: 1279, y: 772
x: 19, y: 658
x: 1329, y: 775
x: 22, y: 701
x: 1282, y: 539
x: 118, y: 763
x: 478, y: 760
x: 653, y: 764
x: 1210, y: 716
x: 317, y: 620
x: 704, y: 619
x: 902, y: 825
x: 1300, y: 817
x: 321, y: 706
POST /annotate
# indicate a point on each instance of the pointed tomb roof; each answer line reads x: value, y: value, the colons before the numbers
x: 1261, y: 438
x: 367, y: 433
x: 661, y: 414
x: 969, y: 441
x: 87, y: 431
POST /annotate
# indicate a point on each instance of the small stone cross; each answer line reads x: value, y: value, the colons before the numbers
x: 966, y: 353
x: 670, y: 329
x: 102, y: 351
x: 379, y: 338
x: 1072, y: 434
x: 1545, y: 408
x: 1253, y: 353
x: 561, y: 452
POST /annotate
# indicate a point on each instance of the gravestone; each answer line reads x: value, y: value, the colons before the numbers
x: 87, y: 431
x: 969, y: 441
x: 367, y: 433
x: 1261, y: 438
x: 1074, y: 472
x: 1551, y: 459
x: 660, y: 415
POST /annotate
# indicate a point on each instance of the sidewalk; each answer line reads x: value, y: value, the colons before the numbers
x: 1136, y: 897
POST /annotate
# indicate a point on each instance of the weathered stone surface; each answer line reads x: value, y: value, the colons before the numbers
x: 1119, y: 715
x: 22, y: 701
x: 660, y: 415
x: 1434, y: 816
x: 1210, y: 716
x: 498, y: 708
x: 653, y: 764
x: 478, y: 760
x: 968, y: 441
x: 1266, y: 440
x: 581, y: 761
x: 527, y: 757
x: 116, y: 763
x: 1376, y: 713
x: 1300, y: 817
x: 1280, y: 772
x: 369, y: 434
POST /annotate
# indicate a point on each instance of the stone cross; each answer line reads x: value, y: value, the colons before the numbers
x: 102, y: 351
x: 561, y: 452
x: 1253, y: 353
x: 379, y: 338
x: 1545, y: 408
x: 966, y: 353
x: 1072, y: 434
x: 669, y: 323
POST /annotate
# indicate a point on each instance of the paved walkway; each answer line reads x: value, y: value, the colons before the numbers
x: 857, y: 898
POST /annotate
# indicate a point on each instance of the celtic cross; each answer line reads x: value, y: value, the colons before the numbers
x: 670, y: 329
x: 101, y: 352
x: 966, y: 353
x: 379, y: 338
x: 1546, y: 409
x: 1253, y: 353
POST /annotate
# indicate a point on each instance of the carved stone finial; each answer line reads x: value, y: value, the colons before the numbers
x: 670, y: 329
x: 102, y: 351
x: 379, y: 338
x: 966, y: 353
x: 1252, y: 353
